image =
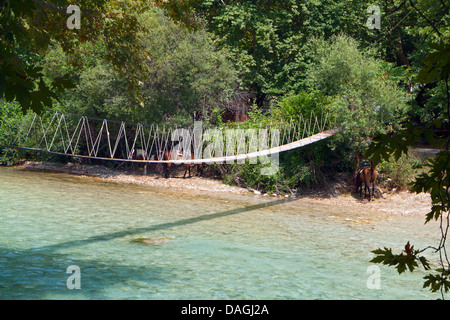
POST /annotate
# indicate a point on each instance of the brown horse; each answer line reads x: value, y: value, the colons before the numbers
x: 188, y: 167
x: 178, y: 155
x: 140, y: 154
x: 367, y: 175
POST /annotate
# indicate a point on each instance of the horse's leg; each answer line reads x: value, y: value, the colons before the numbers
x: 373, y: 189
x: 359, y: 183
x: 363, y: 186
x: 167, y: 170
x: 188, y: 166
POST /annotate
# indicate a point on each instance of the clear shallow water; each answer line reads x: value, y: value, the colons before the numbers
x: 221, y: 247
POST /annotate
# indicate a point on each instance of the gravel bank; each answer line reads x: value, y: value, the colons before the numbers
x: 404, y: 202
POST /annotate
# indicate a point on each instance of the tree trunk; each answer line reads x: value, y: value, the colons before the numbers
x: 357, y: 161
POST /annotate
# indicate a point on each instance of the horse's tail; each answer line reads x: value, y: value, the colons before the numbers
x: 357, y: 180
x: 373, y: 170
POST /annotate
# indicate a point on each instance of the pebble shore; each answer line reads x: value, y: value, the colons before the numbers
x: 404, y: 202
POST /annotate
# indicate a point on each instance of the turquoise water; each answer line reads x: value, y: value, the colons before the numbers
x: 208, y: 246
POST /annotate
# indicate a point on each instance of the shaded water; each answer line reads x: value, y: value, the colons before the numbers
x: 207, y: 247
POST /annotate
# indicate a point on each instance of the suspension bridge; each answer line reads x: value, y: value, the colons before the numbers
x: 86, y: 137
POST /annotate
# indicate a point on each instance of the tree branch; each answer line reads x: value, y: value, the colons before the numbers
x: 50, y: 6
x: 423, y: 16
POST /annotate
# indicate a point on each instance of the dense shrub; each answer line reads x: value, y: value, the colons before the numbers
x: 304, y: 103
x: 399, y: 173
x: 11, y: 117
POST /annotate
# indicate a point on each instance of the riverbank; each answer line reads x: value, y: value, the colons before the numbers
x: 194, y: 183
x: 392, y: 202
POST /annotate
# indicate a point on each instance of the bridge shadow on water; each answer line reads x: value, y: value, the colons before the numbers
x: 167, y: 225
x: 38, y: 273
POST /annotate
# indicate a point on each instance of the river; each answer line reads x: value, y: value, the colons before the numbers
x: 138, y: 242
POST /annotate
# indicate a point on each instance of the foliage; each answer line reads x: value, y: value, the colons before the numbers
x: 184, y: 73
x: 11, y: 119
x: 267, y: 40
x: 434, y: 72
x: 304, y: 103
x: 364, y: 100
x: 28, y: 27
x: 287, y: 180
x: 399, y: 173
x: 409, y: 258
x: 98, y: 90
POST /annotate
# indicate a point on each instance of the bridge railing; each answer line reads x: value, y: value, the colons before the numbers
x: 80, y: 136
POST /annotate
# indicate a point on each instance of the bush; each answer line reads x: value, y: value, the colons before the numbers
x: 304, y: 103
x: 398, y: 173
x: 364, y: 100
x: 11, y: 117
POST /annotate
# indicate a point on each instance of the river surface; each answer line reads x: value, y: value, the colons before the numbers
x: 198, y: 246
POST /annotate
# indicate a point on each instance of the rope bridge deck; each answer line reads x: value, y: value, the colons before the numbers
x: 84, y: 137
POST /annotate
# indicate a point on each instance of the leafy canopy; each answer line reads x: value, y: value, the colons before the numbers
x: 28, y: 27
x: 365, y: 101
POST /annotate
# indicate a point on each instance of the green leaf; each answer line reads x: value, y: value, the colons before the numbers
x: 436, y: 63
x: 437, y: 281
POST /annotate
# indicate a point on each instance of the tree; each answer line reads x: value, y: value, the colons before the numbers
x: 184, y: 73
x: 28, y: 27
x: 267, y: 40
x: 365, y: 100
x: 98, y: 90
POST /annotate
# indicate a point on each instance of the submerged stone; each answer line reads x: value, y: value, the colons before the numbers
x: 151, y: 241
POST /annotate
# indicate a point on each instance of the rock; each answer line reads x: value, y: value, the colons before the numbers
x: 378, y: 194
x: 151, y: 241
